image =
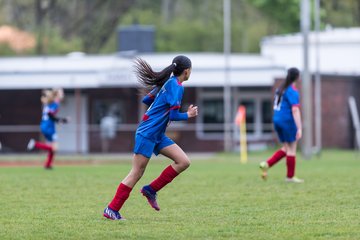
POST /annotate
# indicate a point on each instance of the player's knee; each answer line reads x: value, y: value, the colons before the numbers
x: 54, y: 146
x: 291, y: 153
x: 185, y: 163
x: 136, y: 175
x: 140, y: 171
x: 139, y: 175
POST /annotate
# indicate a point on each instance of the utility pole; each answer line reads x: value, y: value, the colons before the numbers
x: 317, y: 79
x: 227, y: 85
x: 165, y: 9
x: 306, y: 81
x: 41, y: 9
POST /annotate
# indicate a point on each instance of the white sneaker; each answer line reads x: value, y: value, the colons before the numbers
x: 294, y: 180
x: 31, y: 144
x: 264, y: 166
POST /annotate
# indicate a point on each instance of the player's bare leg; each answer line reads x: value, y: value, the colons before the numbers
x: 175, y: 153
x: 139, y: 164
x: 181, y: 162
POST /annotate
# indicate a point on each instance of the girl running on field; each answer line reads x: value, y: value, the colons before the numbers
x: 51, y: 100
x: 164, y: 101
x: 287, y: 124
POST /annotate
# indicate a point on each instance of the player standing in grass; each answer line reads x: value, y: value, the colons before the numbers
x: 287, y: 124
x: 164, y: 102
x: 51, y: 100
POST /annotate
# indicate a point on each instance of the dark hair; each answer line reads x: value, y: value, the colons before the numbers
x: 150, y: 79
x: 292, y: 76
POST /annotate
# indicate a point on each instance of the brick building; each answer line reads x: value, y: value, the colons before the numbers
x: 94, y: 85
x: 339, y: 67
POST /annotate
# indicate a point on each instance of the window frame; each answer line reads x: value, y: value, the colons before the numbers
x: 237, y: 95
x: 200, y: 96
x: 258, y: 98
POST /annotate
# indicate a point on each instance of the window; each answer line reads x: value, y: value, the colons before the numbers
x: 106, y: 107
x: 266, y: 110
x: 213, y: 115
x: 258, y: 103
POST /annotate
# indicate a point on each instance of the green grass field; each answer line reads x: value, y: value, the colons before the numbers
x: 218, y: 198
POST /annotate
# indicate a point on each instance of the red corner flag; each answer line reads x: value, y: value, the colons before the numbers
x: 240, y: 120
x: 241, y: 115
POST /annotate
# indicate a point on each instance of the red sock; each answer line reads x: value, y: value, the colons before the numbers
x: 120, y: 197
x: 49, y: 159
x: 165, y: 177
x: 43, y: 146
x: 278, y: 155
x: 290, y: 163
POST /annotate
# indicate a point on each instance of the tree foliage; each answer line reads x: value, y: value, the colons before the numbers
x: 181, y: 25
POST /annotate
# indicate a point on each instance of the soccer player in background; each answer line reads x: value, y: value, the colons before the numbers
x: 51, y: 100
x: 287, y: 124
x: 164, y: 101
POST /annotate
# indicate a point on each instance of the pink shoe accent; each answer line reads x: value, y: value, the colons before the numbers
x: 150, y: 200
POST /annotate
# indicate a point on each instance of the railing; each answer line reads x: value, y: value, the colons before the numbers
x: 77, y: 138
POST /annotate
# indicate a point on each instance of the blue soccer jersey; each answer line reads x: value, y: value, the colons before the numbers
x: 47, y: 125
x: 157, y: 117
x: 283, y: 119
x: 283, y: 109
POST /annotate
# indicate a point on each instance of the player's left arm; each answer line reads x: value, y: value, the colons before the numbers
x: 175, y: 105
x: 56, y: 119
x: 295, y: 108
x: 297, y: 118
x: 176, y: 115
x: 52, y: 115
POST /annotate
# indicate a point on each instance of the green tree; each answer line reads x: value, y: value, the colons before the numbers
x: 181, y: 25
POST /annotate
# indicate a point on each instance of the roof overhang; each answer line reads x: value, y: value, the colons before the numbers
x: 114, y: 71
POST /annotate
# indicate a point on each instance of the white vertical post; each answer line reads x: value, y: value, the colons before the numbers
x: 78, y: 120
x: 306, y: 81
x: 227, y: 85
x: 355, y: 119
x: 318, y: 140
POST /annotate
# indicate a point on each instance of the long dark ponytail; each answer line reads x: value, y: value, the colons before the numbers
x: 151, y: 79
x: 292, y: 76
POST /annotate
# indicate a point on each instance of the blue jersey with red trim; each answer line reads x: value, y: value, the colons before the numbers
x: 47, y: 124
x: 283, y: 109
x: 157, y: 117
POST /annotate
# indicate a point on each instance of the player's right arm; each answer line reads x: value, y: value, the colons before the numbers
x: 150, y: 97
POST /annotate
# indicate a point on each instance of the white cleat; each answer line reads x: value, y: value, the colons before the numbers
x: 294, y: 180
x: 31, y: 144
x: 264, y: 166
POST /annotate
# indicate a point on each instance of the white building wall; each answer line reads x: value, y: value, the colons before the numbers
x: 339, y: 51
